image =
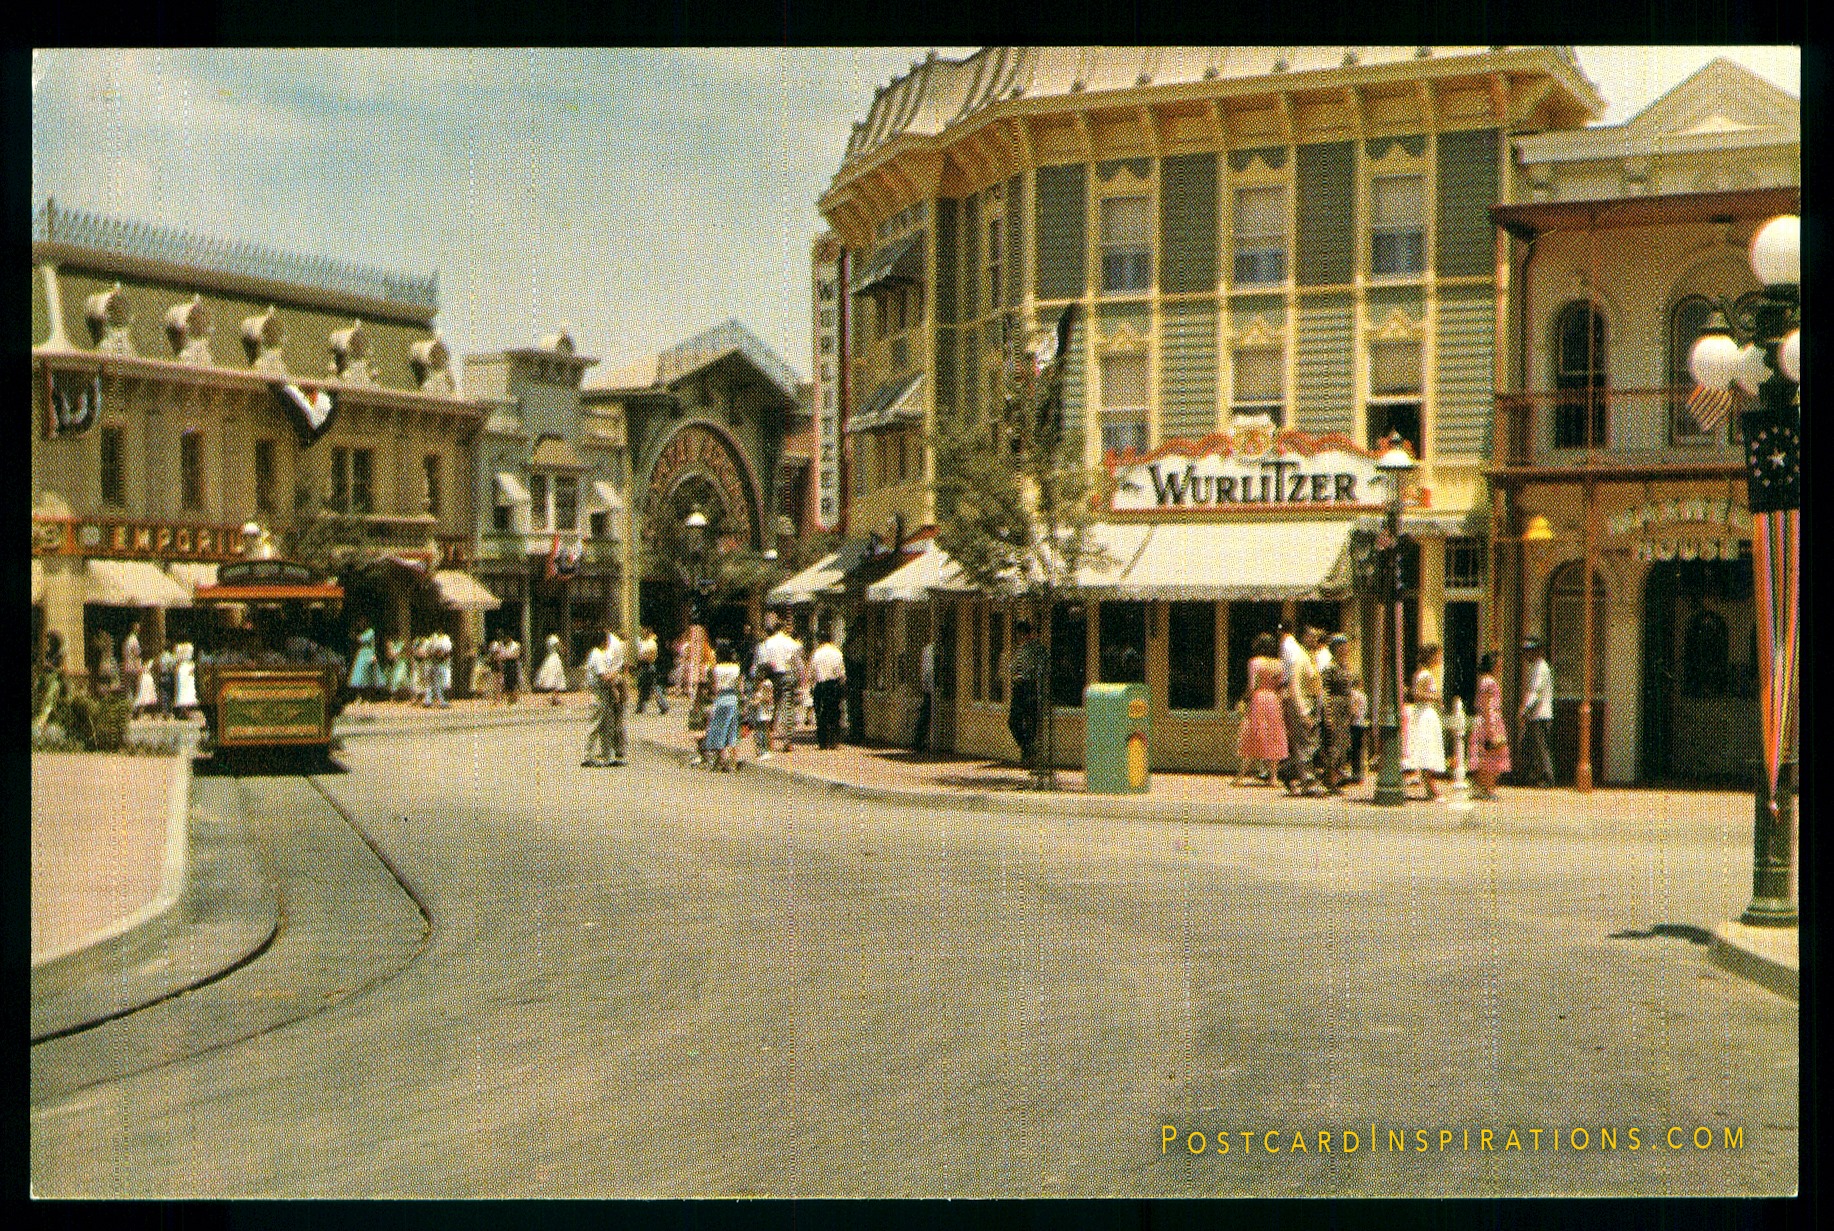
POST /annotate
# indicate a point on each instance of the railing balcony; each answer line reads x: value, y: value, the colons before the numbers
x: 1606, y: 428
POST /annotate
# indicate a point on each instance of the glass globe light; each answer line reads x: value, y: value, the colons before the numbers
x: 1752, y: 370
x: 1776, y: 251
x: 1789, y: 355
x: 1714, y: 360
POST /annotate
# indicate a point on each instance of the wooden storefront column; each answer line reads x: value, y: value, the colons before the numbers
x: 1582, y: 773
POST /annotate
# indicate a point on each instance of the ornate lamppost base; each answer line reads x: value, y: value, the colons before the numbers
x: 1773, y: 903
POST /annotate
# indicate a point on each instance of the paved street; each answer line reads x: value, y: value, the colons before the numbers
x: 649, y: 981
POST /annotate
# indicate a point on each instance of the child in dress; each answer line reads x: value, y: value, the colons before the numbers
x: 763, y: 705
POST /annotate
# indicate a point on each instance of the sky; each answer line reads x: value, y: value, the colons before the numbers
x: 635, y: 196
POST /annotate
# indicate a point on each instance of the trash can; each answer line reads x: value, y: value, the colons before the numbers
x: 1118, y: 738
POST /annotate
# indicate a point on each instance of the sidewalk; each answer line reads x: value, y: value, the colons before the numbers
x: 1768, y: 956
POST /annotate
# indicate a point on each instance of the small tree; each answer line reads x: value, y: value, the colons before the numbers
x: 1014, y: 506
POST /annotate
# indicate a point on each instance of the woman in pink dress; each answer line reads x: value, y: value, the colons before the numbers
x: 1263, y: 742
x: 1489, y: 751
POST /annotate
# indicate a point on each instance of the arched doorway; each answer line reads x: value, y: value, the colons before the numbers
x: 1699, y: 689
x: 699, y: 469
x: 1566, y: 613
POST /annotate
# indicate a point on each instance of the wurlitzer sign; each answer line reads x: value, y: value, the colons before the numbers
x: 1246, y: 469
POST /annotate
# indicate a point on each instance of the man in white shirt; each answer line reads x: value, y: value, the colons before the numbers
x: 828, y: 671
x: 439, y: 659
x: 605, y: 674
x: 780, y: 657
x: 1537, y: 715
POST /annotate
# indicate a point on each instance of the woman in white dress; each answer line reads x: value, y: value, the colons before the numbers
x: 551, y: 678
x: 1424, y: 750
x: 184, y: 675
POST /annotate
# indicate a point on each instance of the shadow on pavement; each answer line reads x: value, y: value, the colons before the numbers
x: 1678, y: 931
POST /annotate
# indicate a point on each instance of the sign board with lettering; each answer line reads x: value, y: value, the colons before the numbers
x: 1247, y: 470
x: 699, y: 450
x: 1683, y: 528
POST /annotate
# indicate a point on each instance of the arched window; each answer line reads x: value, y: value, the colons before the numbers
x: 1706, y: 656
x: 1579, y: 376
x: 1685, y: 321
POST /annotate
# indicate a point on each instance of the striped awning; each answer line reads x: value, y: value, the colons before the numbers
x: 463, y: 592
x: 132, y: 583
x: 896, y: 262
x: 898, y: 400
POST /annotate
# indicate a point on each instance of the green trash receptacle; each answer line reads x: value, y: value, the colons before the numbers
x: 1118, y: 738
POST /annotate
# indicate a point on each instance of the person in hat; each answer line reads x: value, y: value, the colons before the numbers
x: 1537, y: 716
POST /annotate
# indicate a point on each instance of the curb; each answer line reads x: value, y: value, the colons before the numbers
x: 223, y: 911
x: 1766, y: 956
x: 172, y: 869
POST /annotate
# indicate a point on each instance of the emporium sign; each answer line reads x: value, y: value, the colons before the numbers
x: 1685, y: 528
x: 82, y: 536
x: 1249, y: 469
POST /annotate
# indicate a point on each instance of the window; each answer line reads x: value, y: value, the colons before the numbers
x: 191, y: 469
x: 1465, y: 563
x: 1247, y: 620
x: 996, y: 656
x: 1260, y: 383
x: 430, y: 467
x: 1069, y: 654
x: 1397, y: 226
x: 1260, y: 235
x: 1579, y: 375
x: 1566, y: 629
x: 264, y: 476
x: 1125, y: 401
x: 996, y: 226
x: 540, y: 514
x: 362, y: 485
x: 1394, y: 394
x: 1121, y: 649
x: 566, y: 502
x: 113, y: 469
x: 598, y: 524
x: 1127, y: 245
x: 500, y: 518
x: 1190, y: 651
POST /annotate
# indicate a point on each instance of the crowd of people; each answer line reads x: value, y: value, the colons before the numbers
x: 767, y: 688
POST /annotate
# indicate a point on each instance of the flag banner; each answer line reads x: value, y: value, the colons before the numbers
x: 1710, y: 407
x: 311, y: 410
x: 1777, y: 570
x: 73, y: 400
x: 568, y: 559
x: 1773, y: 460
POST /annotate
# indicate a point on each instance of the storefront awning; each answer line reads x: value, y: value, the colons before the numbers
x: 899, y: 400
x: 463, y: 592
x: 132, y: 583
x: 897, y: 262
x: 826, y: 578
x: 1203, y: 561
x: 1225, y: 561
x: 510, y: 489
x: 192, y: 574
x: 911, y: 583
x: 605, y: 498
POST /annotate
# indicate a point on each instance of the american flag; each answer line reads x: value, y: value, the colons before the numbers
x: 1773, y: 471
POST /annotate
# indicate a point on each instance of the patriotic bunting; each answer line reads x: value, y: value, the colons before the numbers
x: 1710, y: 407
x: 311, y: 412
x: 1773, y: 474
x: 73, y: 400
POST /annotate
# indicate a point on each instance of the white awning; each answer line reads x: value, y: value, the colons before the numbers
x: 510, y: 489
x: 911, y: 583
x: 132, y: 583
x: 464, y: 592
x: 605, y: 498
x: 191, y: 575
x: 822, y: 577
x: 38, y: 582
x: 1225, y: 561
x: 1200, y: 561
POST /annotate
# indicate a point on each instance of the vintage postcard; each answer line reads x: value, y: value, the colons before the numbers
x: 902, y: 622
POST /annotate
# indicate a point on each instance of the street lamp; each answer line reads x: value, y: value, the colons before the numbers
x: 1768, y: 368
x: 1395, y: 466
x: 695, y: 526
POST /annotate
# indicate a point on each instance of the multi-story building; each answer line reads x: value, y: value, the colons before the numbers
x: 184, y: 387
x: 1617, y: 512
x: 1279, y: 257
x: 706, y: 421
x: 549, y: 490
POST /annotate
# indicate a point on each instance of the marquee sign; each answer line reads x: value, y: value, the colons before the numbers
x: 1248, y: 469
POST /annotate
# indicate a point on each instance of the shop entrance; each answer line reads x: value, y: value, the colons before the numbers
x: 1699, y: 697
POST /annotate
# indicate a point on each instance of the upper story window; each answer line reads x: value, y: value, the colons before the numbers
x: 1260, y: 234
x: 1579, y: 377
x: 265, y: 476
x: 1394, y: 395
x: 1127, y: 245
x: 1260, y: 383
x: 1465, y: 563
x: 352, y: 480
x: 1124, y: 403
x: 430, y: 469
x: 1397, y: 225
x: 191, y: 469
x: 113, y: 468
x: 825, y: 289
